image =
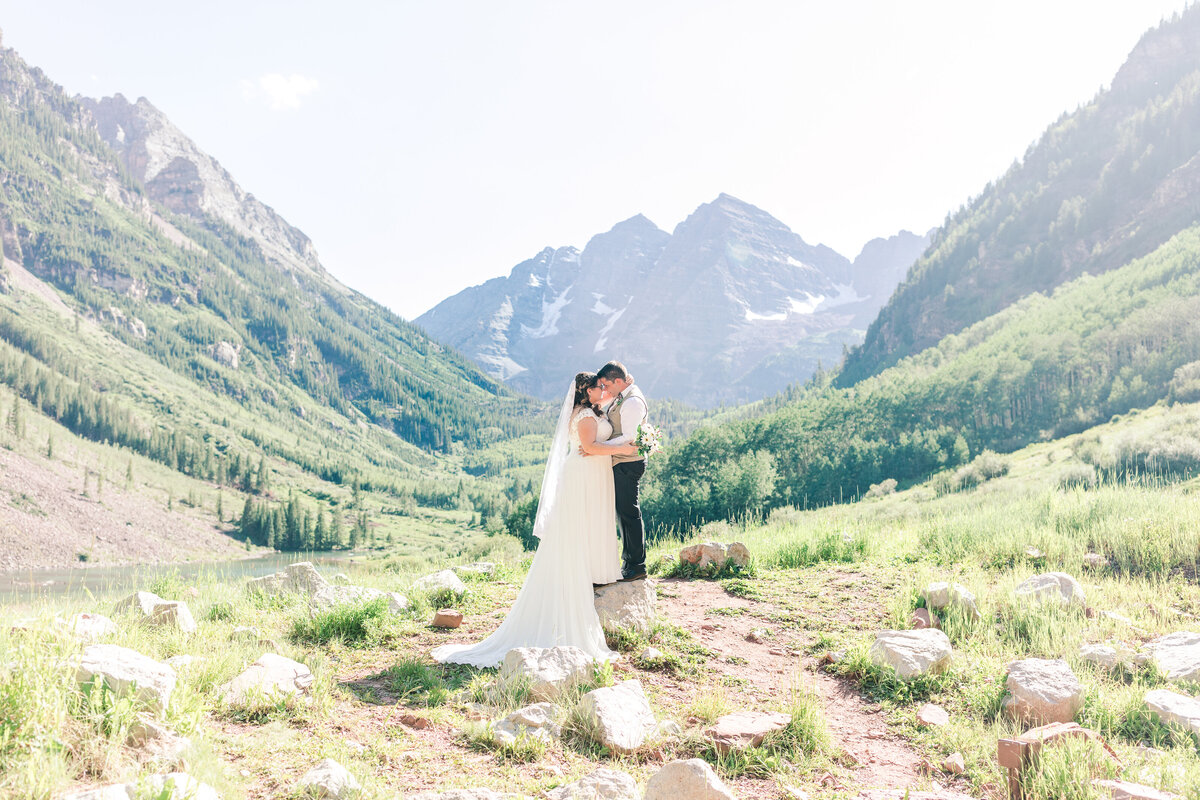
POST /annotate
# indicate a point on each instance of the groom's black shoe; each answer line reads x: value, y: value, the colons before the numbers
x: 633, y: 576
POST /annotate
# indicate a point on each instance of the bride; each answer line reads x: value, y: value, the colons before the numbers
x: 576, y: 522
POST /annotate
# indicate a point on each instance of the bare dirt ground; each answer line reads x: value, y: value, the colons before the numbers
x: 46, y: 520
x: 412, y: 748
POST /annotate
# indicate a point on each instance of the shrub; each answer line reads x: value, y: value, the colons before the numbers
x: 882, y: 488
x: 1078, y: 476
x: 353, y: 624
x: 1185, y: 385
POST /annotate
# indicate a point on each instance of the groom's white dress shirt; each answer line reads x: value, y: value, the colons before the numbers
x: 632, y: 412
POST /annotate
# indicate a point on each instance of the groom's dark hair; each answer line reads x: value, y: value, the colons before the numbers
x: 613, y: 369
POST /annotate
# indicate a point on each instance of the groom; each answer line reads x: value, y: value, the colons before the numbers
x: 626, y: 412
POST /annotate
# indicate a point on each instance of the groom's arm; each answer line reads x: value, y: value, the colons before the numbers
x: 632, y: 412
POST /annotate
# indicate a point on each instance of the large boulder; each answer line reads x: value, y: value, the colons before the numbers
x: 269, y: 678
x: 1052, y: 587
x: 692, y: 779
x: 328, y: 779
x: 600, y: 784
x: 745, y: 729
x: 443, y: 581
x: 619, y: 717
x: 912, y: 653
x: 1042, y: 691
x: 1177, y: 656
x: 943, y: 594
x: 631, y: 605
x: 329, y: 597
x: 547, y: 670
x: 1174, y: 708
x: 127, y: 672
x: 299, y: 578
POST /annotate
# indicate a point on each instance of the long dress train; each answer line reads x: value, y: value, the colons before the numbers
x: 556, y: 605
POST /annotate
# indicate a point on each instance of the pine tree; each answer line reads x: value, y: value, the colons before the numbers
x: 50, y: 445
x: 261, y: 479
x: 220, y: 506
x: 321, y: 536
x: 129, y: 475
x: 337, y: 534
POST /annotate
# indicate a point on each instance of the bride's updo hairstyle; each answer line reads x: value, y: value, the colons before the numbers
x: 583, y: 382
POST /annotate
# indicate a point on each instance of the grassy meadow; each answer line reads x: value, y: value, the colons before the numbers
x: 822, y: 580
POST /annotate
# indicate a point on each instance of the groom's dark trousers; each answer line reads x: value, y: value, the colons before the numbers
x: 629, y: 516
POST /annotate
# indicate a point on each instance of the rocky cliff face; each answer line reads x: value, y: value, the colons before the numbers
x: 186, y: 180
x: 731, y: 306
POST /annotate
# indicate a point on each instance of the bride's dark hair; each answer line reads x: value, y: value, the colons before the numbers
x: 583, y: 382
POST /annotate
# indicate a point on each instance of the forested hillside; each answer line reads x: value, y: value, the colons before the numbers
x: 1105, y: 184
x: 176, y: 338
x: 1042, y: 368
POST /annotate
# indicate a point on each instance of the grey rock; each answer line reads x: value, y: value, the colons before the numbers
x: 1053, y: 587
x: 1177, y: 656
x: 1126, y: 790
x: 535, y: 721
x: 467, y: 794
x: 1042, y: 691
x: 943, y: 594
x: 600, y: 784
x: 443, y: 580
x: 225, y: 353
x: 692, y: 779
x: 328, y: 779
x: 1174, y: 708
x: 745, y: 729
x: 271, y: 677
x: 328, y: 597
x: 484, y: 568
x: 631, y: 605
x: 157, y: 742
x: 547, y: 670
x: 179, y: 786
x: 127, y: 672
x: 90, y: 627
x: 912, y: 653
x: 619, y: 717
x: 140, y: 603
x: 173, y: 614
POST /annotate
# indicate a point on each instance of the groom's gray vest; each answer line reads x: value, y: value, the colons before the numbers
x: 614, y: 417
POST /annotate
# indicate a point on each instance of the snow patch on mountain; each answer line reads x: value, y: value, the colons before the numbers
x: 602, y: 341
x: 551, y: 312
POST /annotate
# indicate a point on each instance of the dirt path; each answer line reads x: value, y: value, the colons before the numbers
x: 773, y: 667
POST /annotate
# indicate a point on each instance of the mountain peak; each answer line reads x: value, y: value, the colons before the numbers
x: 188, y: 181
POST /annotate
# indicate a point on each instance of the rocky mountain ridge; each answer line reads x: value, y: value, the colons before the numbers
x: 729, y: 307
x: 1105, y: 184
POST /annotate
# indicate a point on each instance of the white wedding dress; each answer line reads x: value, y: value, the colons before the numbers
x: 578, y: 547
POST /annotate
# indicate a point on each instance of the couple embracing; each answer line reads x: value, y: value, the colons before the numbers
x: 589, y: 487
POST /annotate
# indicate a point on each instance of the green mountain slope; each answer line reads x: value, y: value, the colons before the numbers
x: 1105, y: 184
x: 175, y: 337
x: 1044, y: 367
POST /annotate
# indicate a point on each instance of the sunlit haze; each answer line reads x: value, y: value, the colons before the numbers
x: 425, y: 147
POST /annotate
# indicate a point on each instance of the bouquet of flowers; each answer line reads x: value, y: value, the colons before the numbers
x: 649, y: 440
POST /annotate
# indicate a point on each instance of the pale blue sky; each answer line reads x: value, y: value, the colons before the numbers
x: 428, y: 146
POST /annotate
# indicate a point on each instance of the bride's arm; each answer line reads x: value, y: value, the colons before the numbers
x: 590, y: 447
